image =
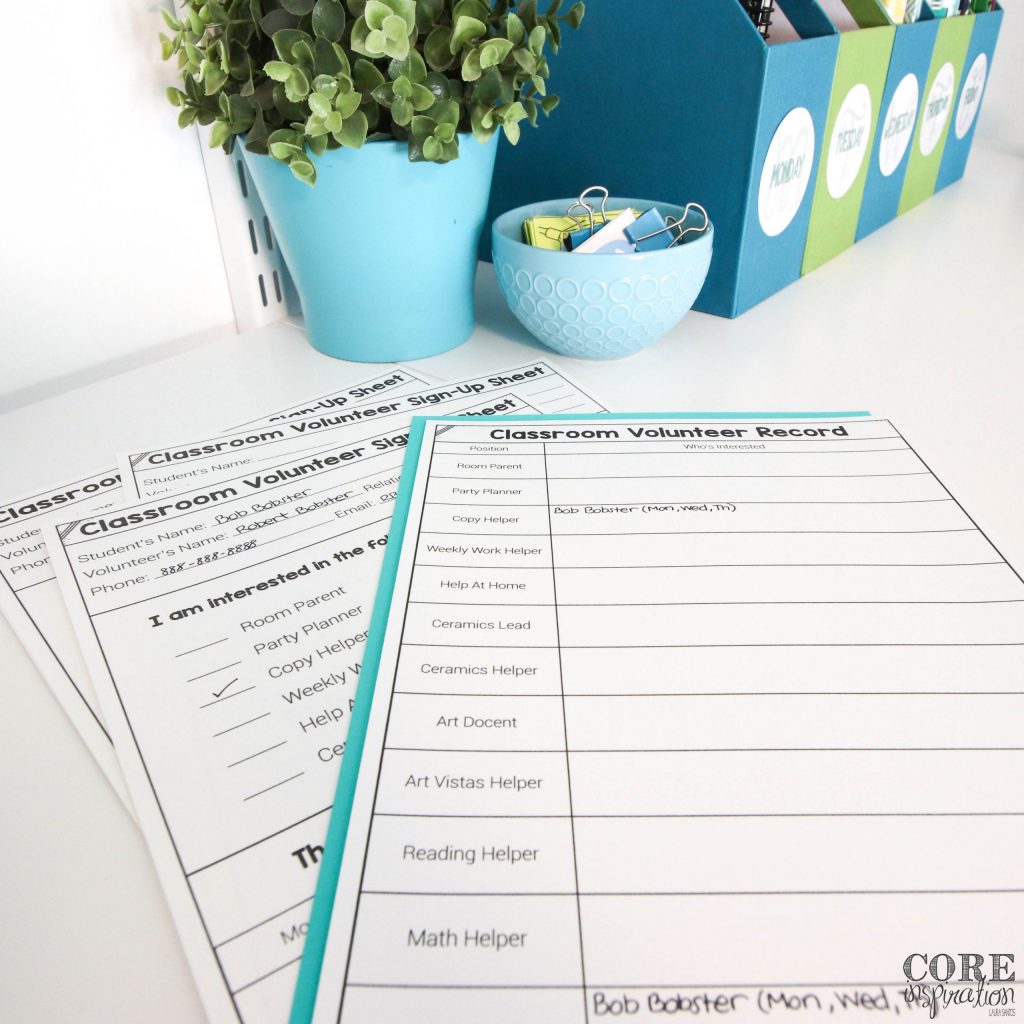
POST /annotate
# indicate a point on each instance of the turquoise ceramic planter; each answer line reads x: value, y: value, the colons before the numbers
x: 382, y: 251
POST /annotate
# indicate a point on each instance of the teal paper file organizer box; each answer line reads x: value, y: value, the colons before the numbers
x: 977, y: 67
x: 697, y: 107
x: 700, y: 108
x: 904, y: 90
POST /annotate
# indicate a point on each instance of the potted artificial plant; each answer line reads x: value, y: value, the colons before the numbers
x: 370, y: 129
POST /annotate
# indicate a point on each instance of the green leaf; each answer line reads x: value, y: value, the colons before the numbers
x: 326, y: 84
x: 549, y: 103
x: 278, y: 70
x: 428, y: 12
x: 299, y: 7
x: 187, y: 117
x: 329, y: 19
x: 482, y: 122
x: 347, y: 104
x: 276, y: 21
x: 213, y: 11
x: 366, y: 76
x: 575, y: 16
x: 412, y: 67
x: 320, y: 104
x: 514, y: 28
x: 432, y: 149
x: 422, y: 98
x: 219, y: 134
x: 494, y: 51
x: 166, y: 47
x: 287, y: 39
x: 354, y: 131
x: 330, y: 58
x: 471, y: 70
x: 466, y: 30
x: 526, y: 61
x: 512, y: 131
x: 437, y: 48
x: 297, y: 86
x: 175, y: 96
x: 445, y: 112
x: 172, y: 23
x: 302, y: 53
x: 376, y: 42
x: 423, y: 127
x: 470, y: 9
x: 445, y: 132
x: 439, y: 85
x: 401, y: 111
x: 303, y: 169
x: 283, y: 150
x: 318, y: 146
x: 213, y: 79
x: 194, y: 23
x: 538, y: 37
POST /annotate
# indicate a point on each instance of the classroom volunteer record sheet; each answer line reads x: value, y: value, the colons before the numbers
x: 677, y: 719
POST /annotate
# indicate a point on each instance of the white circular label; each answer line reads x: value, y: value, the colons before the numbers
x: 898, y: 126
x: 849, y: 143
x: 936, y: 109
x: 970, y: 98
x: 786, y: 172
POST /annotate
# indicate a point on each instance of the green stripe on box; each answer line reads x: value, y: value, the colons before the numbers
x: 929, y: 142
x: 863, y: 61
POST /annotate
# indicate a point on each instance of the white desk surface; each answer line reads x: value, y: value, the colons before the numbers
x: 922, y: 322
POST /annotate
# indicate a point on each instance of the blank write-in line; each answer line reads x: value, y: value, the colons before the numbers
x: 683, y: 501
x: 213, y: 672
x: 591, y: 893
x: 709, y: 750
x: 569, y: 695
x: 220, y: 700
x: 260, y: 792
x: 266, y: 750
x: 240, y: 724
x: 203, y: 648
x: 689, y: 604
x: 717, y: 565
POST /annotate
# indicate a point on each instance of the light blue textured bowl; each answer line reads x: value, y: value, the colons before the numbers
x: 595, y: 306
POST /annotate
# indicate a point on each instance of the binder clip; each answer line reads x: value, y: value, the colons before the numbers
x: 760, y: 12
x: 582, y: 233
x: 652, y: 231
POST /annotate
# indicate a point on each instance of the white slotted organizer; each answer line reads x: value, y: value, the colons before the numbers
x: 261, y: 289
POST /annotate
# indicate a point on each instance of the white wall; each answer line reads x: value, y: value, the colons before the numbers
x: 1001, y: 121
x: 109, y: 245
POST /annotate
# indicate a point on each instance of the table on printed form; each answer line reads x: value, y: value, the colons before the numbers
x: 920, y: 323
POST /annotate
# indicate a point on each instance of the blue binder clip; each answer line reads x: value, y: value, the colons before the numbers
x: 666, y: 233
x: 583, y: 233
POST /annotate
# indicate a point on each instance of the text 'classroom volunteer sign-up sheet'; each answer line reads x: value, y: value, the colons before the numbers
x: 678, y: 719
x: 225, y: 639
x: 30, y: 598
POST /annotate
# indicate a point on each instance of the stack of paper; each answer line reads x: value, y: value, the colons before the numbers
x: 657, y: 714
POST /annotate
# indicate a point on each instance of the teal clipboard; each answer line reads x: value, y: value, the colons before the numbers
x: 330, y: 863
